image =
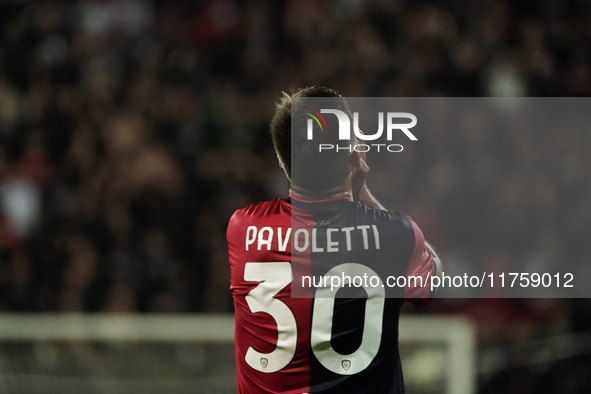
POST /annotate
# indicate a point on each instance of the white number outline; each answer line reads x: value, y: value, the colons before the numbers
x: 322, y: 316
x: 274, y: 277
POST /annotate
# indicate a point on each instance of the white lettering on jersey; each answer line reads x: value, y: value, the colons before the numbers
x: 262, y: 240
x: 303, y: 238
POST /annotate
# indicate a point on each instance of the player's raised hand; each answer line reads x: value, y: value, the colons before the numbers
x: 359, y: 187
x: 358, y: 183
x: 360, y: 171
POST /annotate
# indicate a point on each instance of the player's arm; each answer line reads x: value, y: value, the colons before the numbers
x: 437, y: 266
x: 365, y: 197
x: 361, y: 192
x: 424, y: 263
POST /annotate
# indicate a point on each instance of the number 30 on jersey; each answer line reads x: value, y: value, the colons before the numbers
x: 274, y: 277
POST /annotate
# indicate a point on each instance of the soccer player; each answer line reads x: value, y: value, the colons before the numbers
x: 330, y: 224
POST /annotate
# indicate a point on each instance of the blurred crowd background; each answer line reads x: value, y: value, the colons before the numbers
x: 131, y: 130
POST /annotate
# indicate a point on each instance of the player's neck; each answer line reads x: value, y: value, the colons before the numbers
x: 340, y: 191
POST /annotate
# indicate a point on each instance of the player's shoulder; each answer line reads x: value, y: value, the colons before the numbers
x: 257, y: 210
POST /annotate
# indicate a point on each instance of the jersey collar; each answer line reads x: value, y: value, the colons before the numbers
x: 314, y: 204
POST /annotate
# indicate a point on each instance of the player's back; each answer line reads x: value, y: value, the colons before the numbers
x: 319, y: 344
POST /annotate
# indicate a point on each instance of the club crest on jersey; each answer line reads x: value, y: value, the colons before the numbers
x: 265, y: 362
x: 346, y: 364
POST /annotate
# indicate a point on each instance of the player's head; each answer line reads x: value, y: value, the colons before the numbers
x: 304, y: 165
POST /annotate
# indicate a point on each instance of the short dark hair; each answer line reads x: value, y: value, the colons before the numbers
x: 303, y: 164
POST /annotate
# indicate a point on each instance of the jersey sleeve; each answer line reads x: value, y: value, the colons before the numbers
x: 419, y: 271
x: 235, y: 239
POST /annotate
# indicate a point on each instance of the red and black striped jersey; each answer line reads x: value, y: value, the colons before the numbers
x: 301, y: 343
